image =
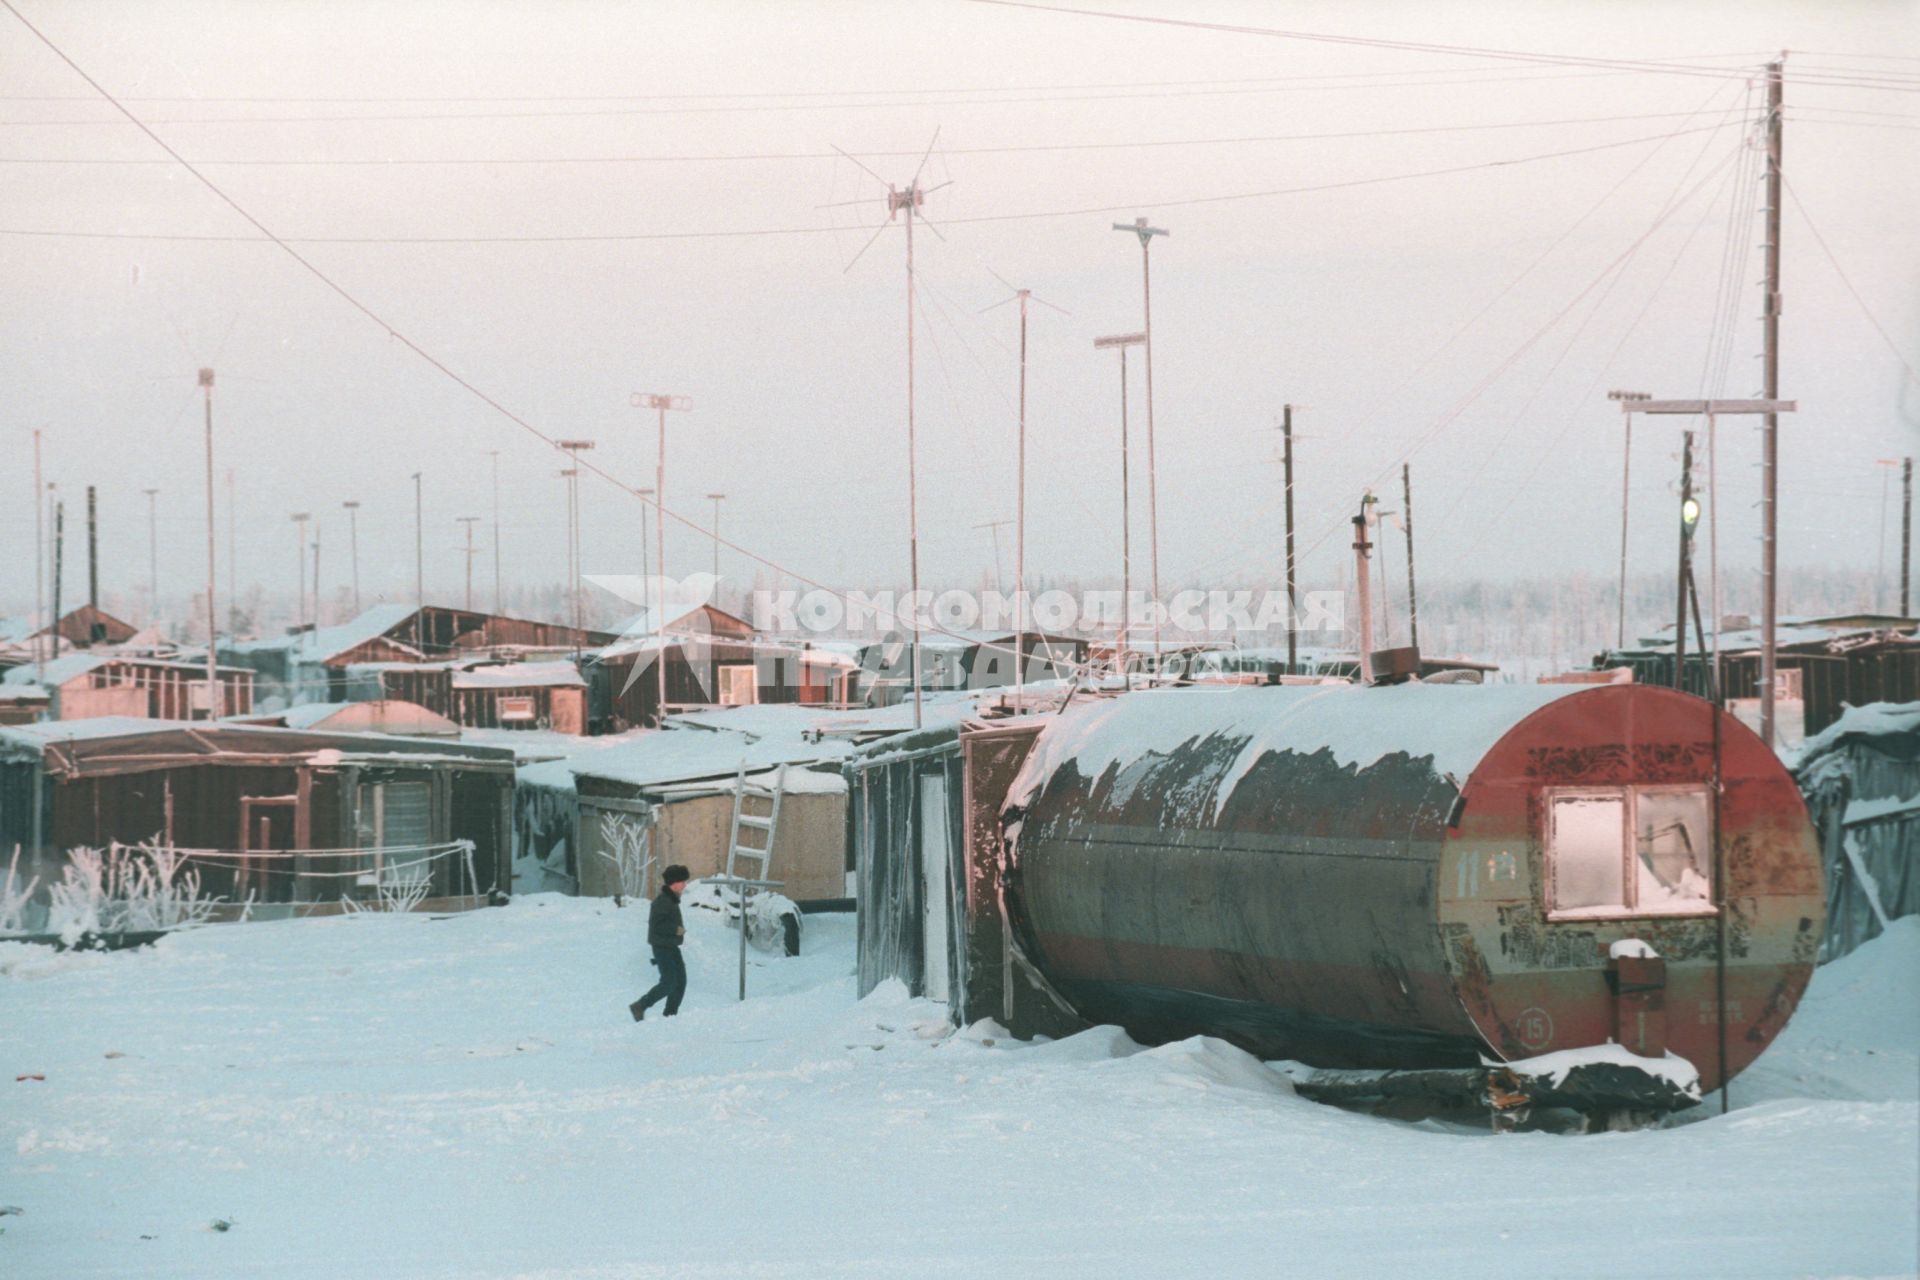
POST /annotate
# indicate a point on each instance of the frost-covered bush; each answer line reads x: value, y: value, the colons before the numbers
x: 623, y: 842
x: 393, y: 896
x: 125, y: 889
x: 14, y: 897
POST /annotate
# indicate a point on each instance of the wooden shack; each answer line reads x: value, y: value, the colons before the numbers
x: 227, y: 791
x: 93, y: 683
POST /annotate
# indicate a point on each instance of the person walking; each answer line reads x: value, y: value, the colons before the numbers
x: 665, y: 932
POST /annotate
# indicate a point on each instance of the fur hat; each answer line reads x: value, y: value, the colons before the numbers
x: 674, y: 874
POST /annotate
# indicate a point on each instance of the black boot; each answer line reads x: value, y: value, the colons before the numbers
x: 638, y: 1010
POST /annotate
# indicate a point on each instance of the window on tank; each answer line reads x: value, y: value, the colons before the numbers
x: 1629, y: 851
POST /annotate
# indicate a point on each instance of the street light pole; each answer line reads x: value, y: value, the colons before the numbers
x: 574, y: 448
x: 660, y: 403
x: 153, y: 554
x: 1146, y: 233
x: 1123, y: 341
x: 468, y: 521
x: 300, y: 519
x: 213, y: 678
x: 353, y: 546
x: 495, y: 455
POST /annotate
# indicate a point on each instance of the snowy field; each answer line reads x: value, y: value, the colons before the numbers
x: 405, y: 1096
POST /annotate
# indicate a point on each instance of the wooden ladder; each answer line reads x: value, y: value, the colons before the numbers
x: 745, y: 820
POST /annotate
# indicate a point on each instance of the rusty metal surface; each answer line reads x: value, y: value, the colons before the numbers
x: 1381, y: 916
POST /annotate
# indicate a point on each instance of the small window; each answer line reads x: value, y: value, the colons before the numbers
x: 1632, y: 851
x: 516, y: 708
x: 738, y: 686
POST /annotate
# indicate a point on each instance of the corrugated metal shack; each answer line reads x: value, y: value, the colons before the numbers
x: 956, y: 660
x: 1843, y: 660
x: 1861, y: 778
x: 229, y: 790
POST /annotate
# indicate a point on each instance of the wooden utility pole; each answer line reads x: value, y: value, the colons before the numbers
x: 1680, y: 578
x: 1293, y: 603
x: 1362, y: 583
x: 1413, y: 594
x: 1906, y: 533
x: 1770, y: 390
x: 213, y: 676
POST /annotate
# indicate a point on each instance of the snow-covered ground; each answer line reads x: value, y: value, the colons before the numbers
x: 405, y: 1096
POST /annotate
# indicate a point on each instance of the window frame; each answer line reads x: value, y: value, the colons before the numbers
x: 1629, y: 854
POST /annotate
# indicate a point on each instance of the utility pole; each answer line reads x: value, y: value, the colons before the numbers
x: 468, y: 521
x: 213, y: 674
x: 1293, y: 604
x: 300, y: 519
x: 1906, y: 533
x: 233, y: 561
x: 1413, y: 594
x: 1020, y: 521
x: 353, y: 548
x: 646, y: 562
x: 1363, y: 584
x: 906, y: 202
x: 316, y: 573
x: 1122, y: 341
x: 59, y: 567
x: 660, y: 403
x: 574, y: 448
x: 419, y: 569
x: 1689, y: 514
x: 1770, y: 390
x: 93, y: 557
x: 153, y: 554
x: 1626, y: 399
x: 495, y: 455
x: 1146, y: 233
x: 716, y: 499
x: 39, y: 563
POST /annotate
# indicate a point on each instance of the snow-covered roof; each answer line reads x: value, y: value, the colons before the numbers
x: 383, y: 715
x: 1874, y: 720
x: 226, y: 737
x: 519, y: 675
x: 57, y: 671
x: 1454, y: 724
x: 327, y: 642
x: 675, y: 755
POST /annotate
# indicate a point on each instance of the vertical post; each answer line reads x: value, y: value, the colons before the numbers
x: 716, y: 498
x: 1680, y: 577
x: 468, y: 521
x: 1906, y: 534
x: 1413, y: 593
x: 93, y: 554
x: 316, y: 572
x: 213, y: 680
x: 660, y: 577
x: 233, y: 561
x: 153, y: 554
x: 907, y: 201
x: 300, y: 568
x: 419, y: 570
x: 741, y: 890
x: 1626, y: 472
x: 1717, y: 684
x: 495, y: 455
x: 59, y: 568
x: 39, y: 572
x: 1293, y: 604
x: 1126, y: 531
x: 1153, y: 473
x: 353, y: 548
x: 1020, y: 524
x: 1363, y: 585
x: 1770, y: 433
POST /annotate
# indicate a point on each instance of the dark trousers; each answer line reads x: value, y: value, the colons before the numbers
x: 673, y: 980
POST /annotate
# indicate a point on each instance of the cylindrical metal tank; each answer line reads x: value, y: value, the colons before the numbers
x: 1417, y: 875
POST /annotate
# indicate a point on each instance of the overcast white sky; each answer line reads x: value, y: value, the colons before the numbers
x: 1389, y: 311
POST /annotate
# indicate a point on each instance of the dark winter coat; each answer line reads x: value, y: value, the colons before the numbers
x: 663, y: 921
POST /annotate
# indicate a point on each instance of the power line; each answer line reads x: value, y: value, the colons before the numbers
x: 1344, y: 184
x: 1840, y: 271
x: 611, y: 112
x: 721, y: 157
